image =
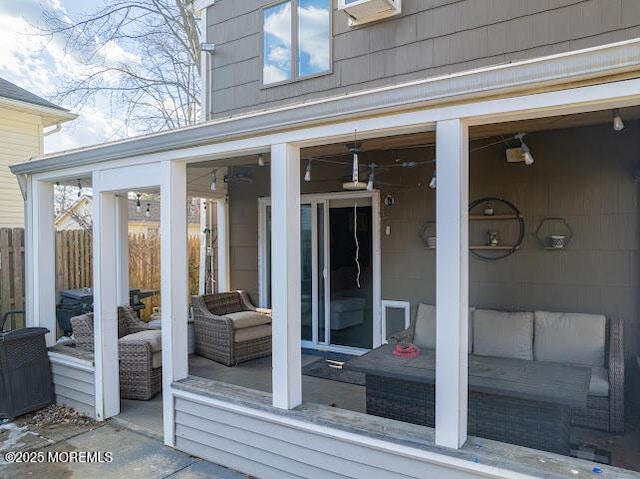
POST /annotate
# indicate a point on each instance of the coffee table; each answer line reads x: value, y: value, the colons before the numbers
x: 516, y: 401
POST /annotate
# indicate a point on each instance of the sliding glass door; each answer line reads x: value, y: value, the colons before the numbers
x: 337, y: 271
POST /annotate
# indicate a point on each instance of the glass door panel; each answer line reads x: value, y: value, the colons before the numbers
x: 306, y: 248
x: 351, y: 274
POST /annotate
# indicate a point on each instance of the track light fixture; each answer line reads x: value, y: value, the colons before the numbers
x: 260, y: 160
x: 526, y: 151
x: 148, y: 212
x: 307, y: 173
x: 618, y: 124
x: 138, y: 205
x: 214, y: 181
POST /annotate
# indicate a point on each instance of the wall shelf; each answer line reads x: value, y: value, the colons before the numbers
x: 494, y: 248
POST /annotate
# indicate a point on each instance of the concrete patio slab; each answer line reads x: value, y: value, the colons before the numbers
x: 135, y: 456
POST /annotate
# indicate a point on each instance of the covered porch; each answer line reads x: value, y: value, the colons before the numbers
x: 427, y: 165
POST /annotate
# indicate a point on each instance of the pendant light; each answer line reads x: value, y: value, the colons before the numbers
x: 138, y: 205
x: 79, y: 189
x: 307, y: 173
x: 526, y: 151
x: 261, y: 160
x: 214, y: 181
x: 148, y: 212
x: 370, y: 184
x: 618, y: 124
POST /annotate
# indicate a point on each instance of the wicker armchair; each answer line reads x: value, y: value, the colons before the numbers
x: 225, y: 333
x: 139, y: 352
x: 604, y: 413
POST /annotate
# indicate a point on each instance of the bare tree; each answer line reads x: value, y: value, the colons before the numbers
x: 144, y: 55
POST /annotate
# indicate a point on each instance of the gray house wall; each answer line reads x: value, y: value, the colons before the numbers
x: 584, y: 175
x: 430, y: 38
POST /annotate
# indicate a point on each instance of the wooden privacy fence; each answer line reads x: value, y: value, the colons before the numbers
x: 74, y: 267
x: 12, y: 275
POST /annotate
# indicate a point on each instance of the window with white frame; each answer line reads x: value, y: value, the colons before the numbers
x: 296, y: 40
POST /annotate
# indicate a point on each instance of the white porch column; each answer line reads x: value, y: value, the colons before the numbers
x: 224, y: 258
x: 40, y: 258
x: 122, y: 249
x: 105, y: 302
x: 452, y: 282
x: 174, y: 286
x: 285, y: 275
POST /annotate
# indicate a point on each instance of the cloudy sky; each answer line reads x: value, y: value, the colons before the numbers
x: 38, y: 64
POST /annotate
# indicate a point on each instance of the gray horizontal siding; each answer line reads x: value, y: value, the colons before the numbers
x: 74, y: 386
x: 430, y: 38
x: 267, y: 450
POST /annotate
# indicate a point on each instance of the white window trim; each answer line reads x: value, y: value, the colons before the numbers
x: 295, y: 23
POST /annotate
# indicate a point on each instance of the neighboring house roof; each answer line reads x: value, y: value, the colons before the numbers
x: 193, y: 216
x: 13, y: 96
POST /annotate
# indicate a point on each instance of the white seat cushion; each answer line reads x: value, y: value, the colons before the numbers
x: 503, y: 334
x: 248, y: 319
x: 570, y: 338
x: 254, y: 332
x: 424, y: 335
x: 599, y: 385
x: 152, y: 336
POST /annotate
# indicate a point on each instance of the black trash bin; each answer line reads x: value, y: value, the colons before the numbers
x: 25, y: 372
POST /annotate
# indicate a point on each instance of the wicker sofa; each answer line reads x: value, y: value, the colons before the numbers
x: 139, y: 349
x: 229, y: 329
x: 584, y: 339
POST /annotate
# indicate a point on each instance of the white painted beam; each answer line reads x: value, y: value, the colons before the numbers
x: 40, y: 259
x: 452, y: 282
x: 174, y: 284
x: 285, y: 275
x: 105, y: 302
x: 122, y: 249
x: 224, y: 252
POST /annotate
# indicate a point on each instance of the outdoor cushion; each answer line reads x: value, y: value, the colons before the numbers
x: 570, y: 338
x: 341, y: 305
x: 254, y: 332
x: 152, y: 336
x: 424, y: 335
x: 156, y: 359
x: 247, y: 319
x: 599, y: 385
x: 503, y: 334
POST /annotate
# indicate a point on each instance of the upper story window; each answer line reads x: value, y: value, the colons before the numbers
x: 297, y: 40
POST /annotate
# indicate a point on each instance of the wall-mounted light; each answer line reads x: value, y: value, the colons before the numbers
x: 618, y: 124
